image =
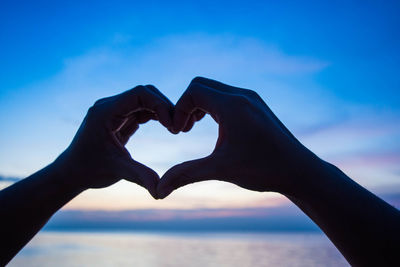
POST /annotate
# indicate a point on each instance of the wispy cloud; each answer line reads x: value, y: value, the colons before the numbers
x: 9, y: 179
x: 287, y: 83
x: 168, y: 62
x: 211, y: 194
x: 287, y: 218
x: 365, y: 145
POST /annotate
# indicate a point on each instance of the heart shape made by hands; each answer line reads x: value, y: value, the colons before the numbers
x: 252, y: 143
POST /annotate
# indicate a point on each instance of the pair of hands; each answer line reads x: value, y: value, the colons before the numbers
x: 254, y: 149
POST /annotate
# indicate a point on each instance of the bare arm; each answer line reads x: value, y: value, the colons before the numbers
x: 27, y: 205
x: 96, y: 158
x: 362, y: 226
x: 254, y: 150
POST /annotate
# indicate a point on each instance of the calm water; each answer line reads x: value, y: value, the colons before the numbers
x: 181, y: 249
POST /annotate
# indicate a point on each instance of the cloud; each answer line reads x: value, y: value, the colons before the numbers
x: 364, y: 144
x: 9, y: 179
x: 210, y: 194
x: 392, y: 198
x: 169, y: 62
x: 358, y: 134
x: 6, y: 181
x: 287, y: 218
x: 286, y: 82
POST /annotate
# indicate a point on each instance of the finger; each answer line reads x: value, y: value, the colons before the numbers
x: 157, y: 92
x: 142, y: 175
x: 167, y: 102
x: 195, y: 116
x: 142, y: 98
x: 186, y: 173
x: 127, y: 131
x: 131, y: 123
x: 227, y: 88
x: 236, y: 90
x: 199, y: 114
x: 189, y: 124
x: 214, y: 84
x: 144, y: 116
x: 103, y: 100
x: 197, y: 96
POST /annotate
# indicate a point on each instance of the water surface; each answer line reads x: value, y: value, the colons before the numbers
x: 178, y: 249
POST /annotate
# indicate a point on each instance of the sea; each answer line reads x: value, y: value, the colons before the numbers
x: 197, y: 249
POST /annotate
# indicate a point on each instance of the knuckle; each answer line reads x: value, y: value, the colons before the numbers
x: 151, y: 88
x: 99, y: 108
x: 140, y: 89
x: 94, y: 115
x: 93, y: 109
x: 251, y: 93
x: 254, y: 96
x: 197, y: 79
x: 101, y: 101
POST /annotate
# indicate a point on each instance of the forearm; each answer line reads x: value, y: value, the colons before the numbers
x: 362, y: 226
x: 27, y: 205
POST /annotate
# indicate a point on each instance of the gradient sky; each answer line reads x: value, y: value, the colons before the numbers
x: 330, y: 71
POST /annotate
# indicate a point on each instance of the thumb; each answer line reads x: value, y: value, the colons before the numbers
x: 186, y: 173
x: 142, y: 175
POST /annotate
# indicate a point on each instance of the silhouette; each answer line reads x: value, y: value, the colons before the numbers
x: 254, y: 150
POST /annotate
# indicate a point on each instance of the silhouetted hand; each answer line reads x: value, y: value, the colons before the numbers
x: 97, y: 156
x: 254, y: 149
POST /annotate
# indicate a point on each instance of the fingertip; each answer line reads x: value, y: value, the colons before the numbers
x: 198, y: 115
x: 151, y: 186
x: 153, y: 191
x: 164, y: 116
x: 143, y: 176
x: 172, y: 130
x: 175, y: 130
x: 187, y: 128
x: 189, y: 124
x: 164, y: 186
x: 154, y: 194
x: 180, y: 120
x: 164, y: 192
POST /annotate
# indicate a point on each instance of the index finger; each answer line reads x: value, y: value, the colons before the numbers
x: 198, y: 97
x: 143, y: 98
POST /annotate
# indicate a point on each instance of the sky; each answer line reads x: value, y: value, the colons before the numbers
x: 329, y: 71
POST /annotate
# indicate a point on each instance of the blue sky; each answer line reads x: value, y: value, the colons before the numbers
x: 330, y: 71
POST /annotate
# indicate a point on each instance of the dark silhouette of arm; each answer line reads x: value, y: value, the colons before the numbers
x: 364, y: 228
x: 96, y: 158
x: 27, y: 205
x: 254, y: 150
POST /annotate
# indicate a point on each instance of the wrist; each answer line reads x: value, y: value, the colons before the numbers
x: 65, y: 175
x: 305, y: 174
x: 315, y: 179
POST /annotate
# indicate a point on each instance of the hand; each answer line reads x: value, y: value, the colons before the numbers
x: 97, y: 156
x: 254, y: 149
